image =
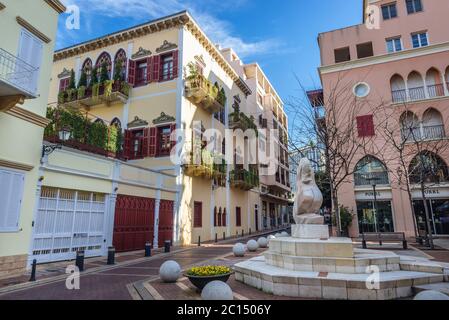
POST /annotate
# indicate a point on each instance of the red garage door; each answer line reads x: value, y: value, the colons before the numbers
x: 134, y: 223
x: 165, y: 221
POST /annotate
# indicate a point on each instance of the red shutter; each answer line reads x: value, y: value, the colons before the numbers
x: 175, y: 63
x: 197, y: 214
x: 152, y: 141
x: 156, y: 68
x: 173, y: 137
x: 149, y: 69
x: 238, y: 216
x: 132, y: 72
x: 370, y: 125
x: 365, y: 126
x: 146, y: 142
x: 127, y: 144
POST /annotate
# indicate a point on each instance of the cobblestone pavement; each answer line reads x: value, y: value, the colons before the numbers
x: 100, y: 282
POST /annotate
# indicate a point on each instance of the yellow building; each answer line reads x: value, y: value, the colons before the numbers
x: 27, y: 33
x: 115, y: 106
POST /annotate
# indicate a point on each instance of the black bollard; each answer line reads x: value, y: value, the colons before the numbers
x: 167, y: 246
x: 33, y: 270
x: 216, y: 238
x: 80, y: 260
x: 199, y: 241
x: 243, y: 233
x: 111, y: 256
x: 147, y: 249
x: 224, y: 236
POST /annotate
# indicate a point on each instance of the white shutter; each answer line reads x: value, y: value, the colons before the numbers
x: 11, y: 193
x: 30, y: 51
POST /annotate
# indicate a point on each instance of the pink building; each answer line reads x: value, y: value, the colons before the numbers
x: 399, y: 58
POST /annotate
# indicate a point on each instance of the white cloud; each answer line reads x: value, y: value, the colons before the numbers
x: 219, y: 31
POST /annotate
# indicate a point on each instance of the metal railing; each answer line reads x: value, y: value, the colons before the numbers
x: 423, y: 133
x: 435, y: 90
x: 367, y: 179
x: 417, y: 93
x: 399, y: 96
x: 16, y: 72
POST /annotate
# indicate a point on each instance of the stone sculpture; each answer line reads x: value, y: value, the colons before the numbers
x: 308, y: 199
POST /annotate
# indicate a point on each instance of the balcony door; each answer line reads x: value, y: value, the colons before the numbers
x: 30, y: 52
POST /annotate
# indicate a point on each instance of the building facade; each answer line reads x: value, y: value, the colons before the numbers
x: 148, y: 119
x: 28, y: 33
x: 397, y: 58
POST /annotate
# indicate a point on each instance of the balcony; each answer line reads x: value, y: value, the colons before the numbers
x: 423, y: 133
x: 204, y: 93
x: 244, y: 179
x: 207, y: 166
x: 239, y: 120
x: 85, y: 132
x: 109, y: 92
x: 18, y: 80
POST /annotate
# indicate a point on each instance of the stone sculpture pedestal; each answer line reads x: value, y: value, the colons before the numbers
x: 310, y: 231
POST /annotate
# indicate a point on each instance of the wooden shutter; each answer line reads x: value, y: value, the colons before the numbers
x: 365, y: 126
x: 63, y: 84
x: 31, y: 51
x: 215, y: 217
x: 127, y: 144
x: 152, y: 142
x: 156, y: 68
x: 132, y: 73
x: 238, y: 216
x: 175, y: 63
x: 11, y: 194
x: 197, y: 214
x: 149, y: 69
x: 146, y: 142
x: 173, y: 137
x: 370, y: 126
x: 223, y: 223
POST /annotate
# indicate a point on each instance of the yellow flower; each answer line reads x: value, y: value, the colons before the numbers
x: 205, y: 271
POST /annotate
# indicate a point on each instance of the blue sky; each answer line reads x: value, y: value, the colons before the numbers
x: 281, y: 35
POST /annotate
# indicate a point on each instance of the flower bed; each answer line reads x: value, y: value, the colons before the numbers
x: 201, y: 276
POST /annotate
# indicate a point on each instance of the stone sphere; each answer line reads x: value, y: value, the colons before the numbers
x: 263, y: 242
x: 217, y: 290
x: 239, y: 250
x: 271, y: 237
x: 279, y: 235
x: 170, y: 271
x: 431, y: 295
x: 285, y: 234
x: 252, y: 245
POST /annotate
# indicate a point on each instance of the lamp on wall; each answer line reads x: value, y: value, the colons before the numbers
x: 64, y: 135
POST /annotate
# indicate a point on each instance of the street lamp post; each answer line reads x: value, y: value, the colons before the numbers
x: 373, y: 180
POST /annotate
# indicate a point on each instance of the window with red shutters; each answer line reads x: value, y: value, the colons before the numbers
x: 145, y: 142
x: 64, y: 84
x: 173, y: 137
x: 365, y: 126
x: 152, y: 148
x: 149, y: 70
x: 197, y: 214
x: 238, y: 216
x: 127, y: 144
x: 132, y: 73
x: 134, y: 144
x: 141, y: 73
x: 175, y: 64
x: 163, y: 141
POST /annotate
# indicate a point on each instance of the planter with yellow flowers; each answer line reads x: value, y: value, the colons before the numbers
x: 201, y: 276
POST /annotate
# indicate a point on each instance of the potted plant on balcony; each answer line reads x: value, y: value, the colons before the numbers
x: 221, y: 98
x: 82, y: 85
x: 201, y: 276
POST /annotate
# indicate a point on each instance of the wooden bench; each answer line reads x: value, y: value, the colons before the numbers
x: 384, y: 237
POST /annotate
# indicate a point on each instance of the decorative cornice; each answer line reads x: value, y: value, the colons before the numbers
x: 137, y: 123
x: 64, y: 74
x: 56, y: 5
x: 32, y: 29
x: 385, y: 58
x: 166, y: 46
x: 163, y: 118
x: 2, y: 6
x: 28, y: 116
x: 141, y: 53
x: 174, y: 21
x: 15, y: 165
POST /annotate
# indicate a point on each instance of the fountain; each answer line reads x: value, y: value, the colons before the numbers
x: 311, y: 264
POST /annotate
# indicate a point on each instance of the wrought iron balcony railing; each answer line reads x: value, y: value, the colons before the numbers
x: 423, y: 133
x: 18, y: 75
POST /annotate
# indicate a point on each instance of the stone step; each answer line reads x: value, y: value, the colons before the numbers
x: 442, y: 287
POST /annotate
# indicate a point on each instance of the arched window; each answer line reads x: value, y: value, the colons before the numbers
x: 215, y: 217
x: 433, y: 83
x: 223, y: 218
x: 428, y: 167
x: 410, y: 127
x: 121, y: 61
x: 398, y: 92
x: 415, y: 86
x: 370, y: 171
x: 432, y: 125
x: 87, y: 69
x: 104, y: 60
x: 219, y: 218
x: 117, y: 123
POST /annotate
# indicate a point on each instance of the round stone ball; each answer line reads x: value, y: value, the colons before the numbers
x: 170, y: 271
x: 278, y: 235
x: 239, y: 250
x: 285, y: 234
x: 217, y: 290
x: 263, y: 242
x: 271, y: 237
x: 431, y: 295
x: 252, y: 245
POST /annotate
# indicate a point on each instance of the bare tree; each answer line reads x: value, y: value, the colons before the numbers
x: 335, y: 133
x: 414, y: 151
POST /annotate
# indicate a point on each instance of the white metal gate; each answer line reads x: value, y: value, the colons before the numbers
x: 68, y: 221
